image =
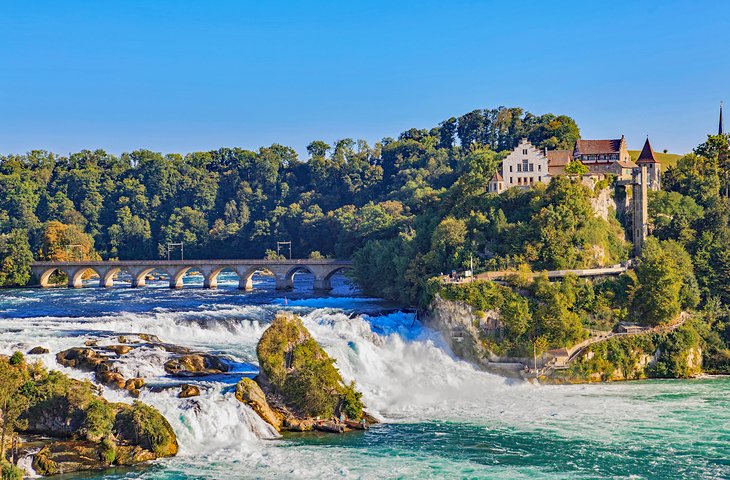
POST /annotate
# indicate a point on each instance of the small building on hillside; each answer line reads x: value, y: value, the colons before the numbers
x: 653, y: 167
x: 496, y: 184
x: 559, y: 357
x: 525, y: 166
x: 627, y: 327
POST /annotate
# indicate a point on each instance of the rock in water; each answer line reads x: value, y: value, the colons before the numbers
x: 82, y: 430
x: 249, y: 392
x: 38, y: 351
x: 142, y: 425
x: 187, y: 391
x: 195, y: 364
x: 299, y: 379
x: 119, y: 349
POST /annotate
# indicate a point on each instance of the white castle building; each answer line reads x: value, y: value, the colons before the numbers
x: 527, y: 164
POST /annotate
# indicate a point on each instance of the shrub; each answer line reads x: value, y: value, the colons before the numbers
x: 146, y: 427
x: 108, y: 451
x: 352, y: 402
x: 10, y: 471
x: 99, y: 419
x: 17, y: 358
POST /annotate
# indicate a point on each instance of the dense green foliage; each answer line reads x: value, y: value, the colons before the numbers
x: 145, y: 426
x: 665, y: 283
x: 558, y: 312
x: 15, y: 258
x: 657, y: 355
x: 299, y: 369
x: 49, y: 403
x: 233, y: 202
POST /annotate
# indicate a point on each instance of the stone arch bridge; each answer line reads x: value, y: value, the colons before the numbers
x: 282, y: 270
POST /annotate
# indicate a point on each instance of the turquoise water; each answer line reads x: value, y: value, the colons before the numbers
x: 441, y: 417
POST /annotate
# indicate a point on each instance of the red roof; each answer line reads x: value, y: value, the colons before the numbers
x: 647, y: 154
x: 559, y: 158
x: 497, y: 177
x: 593, y: 147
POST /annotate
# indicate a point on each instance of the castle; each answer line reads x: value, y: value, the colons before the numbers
x: 527, y: 164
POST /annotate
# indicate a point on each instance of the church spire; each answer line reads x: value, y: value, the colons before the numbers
x: 720, y: 129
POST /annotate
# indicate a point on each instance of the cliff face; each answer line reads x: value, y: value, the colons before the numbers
x: 460, y: 326
x: 463, y: 328
x: 633, y: 358
x: 603, y: 203
x: 674, y: 355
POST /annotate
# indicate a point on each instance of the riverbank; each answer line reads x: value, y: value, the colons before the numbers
x: 441, y: 415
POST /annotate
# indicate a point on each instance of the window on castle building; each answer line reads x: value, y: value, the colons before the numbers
x: 532, y: 167
x: 539, y: 179
x: 510, y: 170
x: 524, y: 151
x: 510, y: 178
x: 519, y: 167
x: 539, y: 167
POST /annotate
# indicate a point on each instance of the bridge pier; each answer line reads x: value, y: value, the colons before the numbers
x: 176, y: 277
x: 284, y: 282
x: 106, y: 277
x: 322, y: 284
x: 245, y: 283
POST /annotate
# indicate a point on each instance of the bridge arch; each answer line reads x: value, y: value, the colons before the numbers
x: 327, y: 279
x: 245, y: 275
x: 44, y: 275
x: 76, y: 276
x: 287, y: 282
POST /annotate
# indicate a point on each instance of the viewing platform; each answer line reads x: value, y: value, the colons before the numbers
x: 282, y: 270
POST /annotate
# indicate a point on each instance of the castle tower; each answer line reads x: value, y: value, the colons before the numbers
x: 641, y: 207
x: 653, y: 167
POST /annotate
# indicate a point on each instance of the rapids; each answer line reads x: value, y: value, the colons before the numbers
x: 442, y: 417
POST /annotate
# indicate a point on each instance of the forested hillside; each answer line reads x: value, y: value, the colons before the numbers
x: 237, y: 203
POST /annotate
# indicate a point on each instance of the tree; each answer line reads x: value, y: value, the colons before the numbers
x: 576, y: 167
x: 15, y: 259
x: 12, y: 402
x: 62, y: 242
x: 656, y: 298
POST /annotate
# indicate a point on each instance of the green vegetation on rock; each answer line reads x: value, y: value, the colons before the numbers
x: 142, y: 425
x: 299, y: 370
x: 88, y: 432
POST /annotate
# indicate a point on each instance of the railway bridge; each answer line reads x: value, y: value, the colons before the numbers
x: 282, y: 270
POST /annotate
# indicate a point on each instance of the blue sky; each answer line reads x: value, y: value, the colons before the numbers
x: 180, y: 76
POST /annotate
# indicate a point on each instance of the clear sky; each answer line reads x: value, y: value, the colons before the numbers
x: 180, y: 76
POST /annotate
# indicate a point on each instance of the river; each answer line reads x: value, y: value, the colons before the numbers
x: 441, y: 417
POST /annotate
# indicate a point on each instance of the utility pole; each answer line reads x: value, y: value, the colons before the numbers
x: 278, y: 248
x: 75, y: 246
x: 182, y: 249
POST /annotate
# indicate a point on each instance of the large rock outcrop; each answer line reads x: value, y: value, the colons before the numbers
x: 299, y: 387
x: 80, y: 429
x: 250, y: 393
